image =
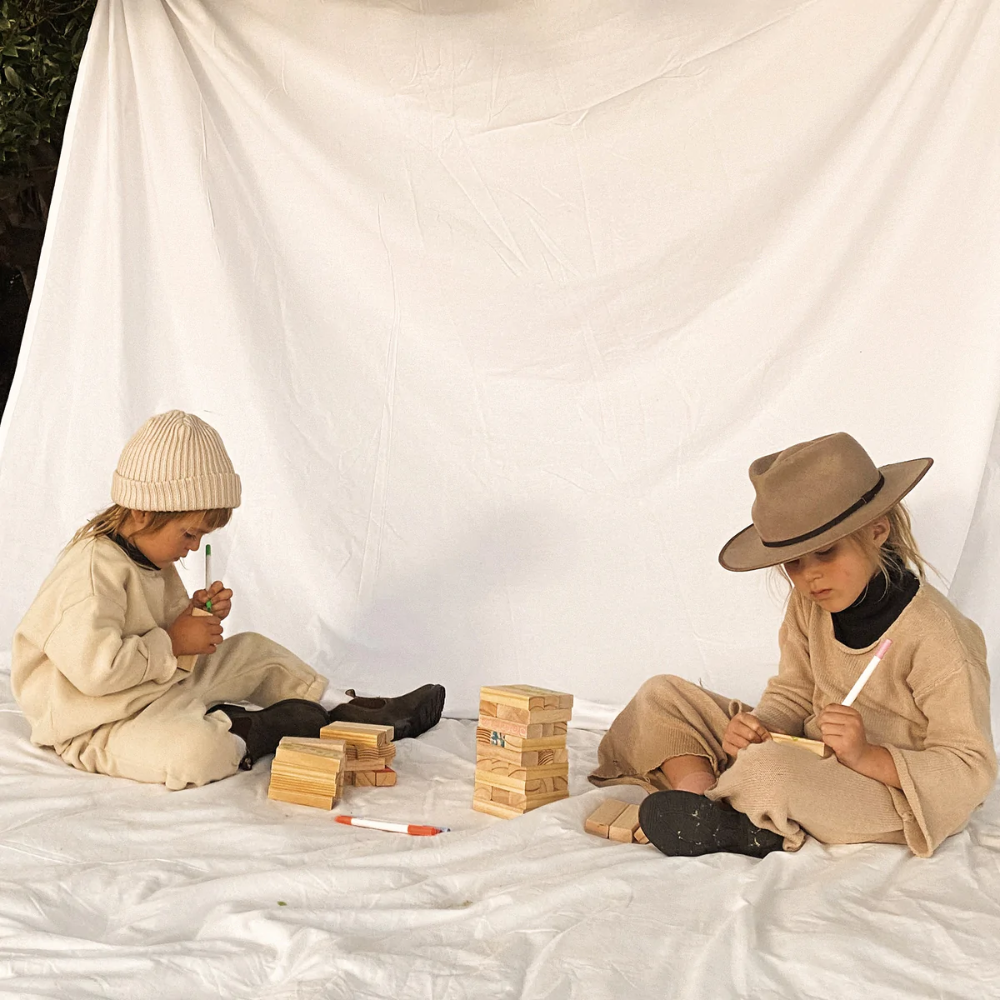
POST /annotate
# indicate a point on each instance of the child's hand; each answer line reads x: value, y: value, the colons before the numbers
x: 844, y: 733
x: 743, y: 729
x: 221, y: 599
x: 194, y: 636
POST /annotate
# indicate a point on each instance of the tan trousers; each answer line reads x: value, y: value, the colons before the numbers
x: 781, y: 788
x: 172, y: 741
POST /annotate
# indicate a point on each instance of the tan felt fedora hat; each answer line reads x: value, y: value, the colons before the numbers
x: 813, y: 493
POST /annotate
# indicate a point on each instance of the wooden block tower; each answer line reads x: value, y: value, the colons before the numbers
x: 369, y: 752
x: 308, y: 772
x: 521, y: 757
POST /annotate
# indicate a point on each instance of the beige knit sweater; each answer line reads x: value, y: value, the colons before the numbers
x: 928, y: 703
x: 92, y: 647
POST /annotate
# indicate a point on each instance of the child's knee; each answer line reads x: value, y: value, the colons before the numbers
x: 202, y: 753
x: 767, y: 767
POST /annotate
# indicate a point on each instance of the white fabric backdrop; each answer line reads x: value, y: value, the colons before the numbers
x: 493, y: 304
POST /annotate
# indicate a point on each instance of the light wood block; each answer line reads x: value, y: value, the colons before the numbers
x: 506, y: 741
x: 511, y: 769
x: 186, y: 663
x: 301, y: 798
x: 507, y: 797
x: 495, y: 809
x: 526, y: 696
x: 522, y: 730
x: 528, y: 786
x: 385, y: 778
x: 511, y: 713
x: 367, y: 765
x: 600, y: 820
x: 364, y: 779
x: 359, y: 733
x: 371, y: 755
x: 640, y: 837
x: 817, y: 747
x: 624, y: 827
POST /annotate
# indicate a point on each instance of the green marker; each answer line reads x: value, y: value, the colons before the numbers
x: 208, y: 574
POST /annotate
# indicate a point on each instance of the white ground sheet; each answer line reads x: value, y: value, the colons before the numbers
x: 110, y: 889
x: 493, y: 303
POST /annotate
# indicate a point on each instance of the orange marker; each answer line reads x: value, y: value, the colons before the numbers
x: 374, y: 824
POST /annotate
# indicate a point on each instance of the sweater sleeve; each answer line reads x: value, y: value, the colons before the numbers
x: 953, y: 773
x: 88, y: 647
x: 788, y: 698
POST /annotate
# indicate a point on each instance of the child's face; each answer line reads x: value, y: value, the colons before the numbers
x: 834, y: 577
x: 174, y: 540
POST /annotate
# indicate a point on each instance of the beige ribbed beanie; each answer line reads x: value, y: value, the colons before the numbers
x: 175, y: 461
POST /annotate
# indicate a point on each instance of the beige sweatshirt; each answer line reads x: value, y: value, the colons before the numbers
x: 928, y: 703
x: 92, y: 648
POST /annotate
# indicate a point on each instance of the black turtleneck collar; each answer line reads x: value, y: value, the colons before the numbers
x: 133, y: 552
x: 880, y: 604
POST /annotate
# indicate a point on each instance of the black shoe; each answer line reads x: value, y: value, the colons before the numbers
x: 686, y: 825
x: 262, y: 730
x: 409, y: 715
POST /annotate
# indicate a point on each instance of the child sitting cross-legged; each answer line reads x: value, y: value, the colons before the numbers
x: 912, y: 757
x: 115, y: 671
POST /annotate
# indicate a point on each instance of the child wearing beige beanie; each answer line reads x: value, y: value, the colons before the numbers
x: 99, y: 658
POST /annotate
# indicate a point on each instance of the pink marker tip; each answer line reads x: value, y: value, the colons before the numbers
x: 883, y: 646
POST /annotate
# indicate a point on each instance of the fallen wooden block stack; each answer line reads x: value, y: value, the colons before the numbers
x: 369, y: 752
x: 616, y: 820
x: 521, y: 757
x: 308, y: 772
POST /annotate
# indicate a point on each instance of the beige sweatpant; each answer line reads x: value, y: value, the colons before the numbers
x: 172, y: 741
x: 785, y: 789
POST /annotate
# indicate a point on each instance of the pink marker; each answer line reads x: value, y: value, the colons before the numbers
x: 867, y: 672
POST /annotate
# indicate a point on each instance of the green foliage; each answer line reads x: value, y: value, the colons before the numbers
x: 41, y: 42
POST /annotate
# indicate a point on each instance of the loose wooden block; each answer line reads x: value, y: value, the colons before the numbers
x: 623, y: 828
x: 360, y: 733
x: 640, y: 837
x: 600, y: 820
x: 186, y: 663
x: 301, y: 798
x: 385, y: 778
x: 526, y: 696
x: 817, y: 747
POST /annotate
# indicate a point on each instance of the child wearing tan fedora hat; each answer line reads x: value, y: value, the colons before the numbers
x: 911, y: 758
x: 117, y: 673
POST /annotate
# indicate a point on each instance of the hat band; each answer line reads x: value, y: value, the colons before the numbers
x: 867, y: 498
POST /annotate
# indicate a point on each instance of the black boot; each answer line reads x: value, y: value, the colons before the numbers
x: 263, y: 729
x: 409, y: 715
x: 683, y: 824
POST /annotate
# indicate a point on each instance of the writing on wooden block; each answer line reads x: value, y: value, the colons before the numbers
x: 507, y: 741
x: 186, y: 663
x: 813, y: 746
x: 523, y: 730
x: 600, y: 820
x: 623, y: 828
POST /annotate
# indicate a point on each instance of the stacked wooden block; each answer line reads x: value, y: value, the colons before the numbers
x: 521, y: 757
x: 616, y: 820
x: 369, y: 752
x: 308, y: 772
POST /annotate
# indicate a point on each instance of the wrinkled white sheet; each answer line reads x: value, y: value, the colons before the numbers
x: 110, y: 889
x: 494, y: 303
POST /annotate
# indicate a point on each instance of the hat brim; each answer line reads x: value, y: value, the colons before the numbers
x: 745, y: 551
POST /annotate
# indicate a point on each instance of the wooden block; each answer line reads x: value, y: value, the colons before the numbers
x: 492, y: 738
x: 328, y: 749
x: 511, y: 769
x: 625, y: 825
x: 496, y: 809
x: 359, y: 733
x: 527, y: 786
x: 385, y: 778
x: 366, y: 765
x: 364, y: 779
x: 640, y: 837
x: 523, y: 730
x: 301, y: 798
x: 600, y: 820
x: 507, y: 797
x: 513, y: 714
x: 526, y: 696
x: 186, y: 663
x: 814, y: 746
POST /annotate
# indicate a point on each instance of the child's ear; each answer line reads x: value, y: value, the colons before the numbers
x: 141, y: 519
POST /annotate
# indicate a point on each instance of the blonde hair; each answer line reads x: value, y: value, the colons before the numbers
x: 113, y: 519
x: 899, y: 544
